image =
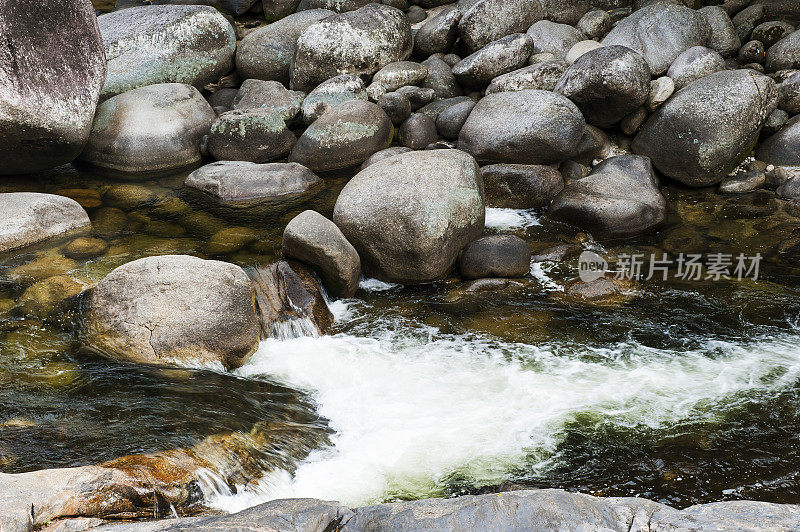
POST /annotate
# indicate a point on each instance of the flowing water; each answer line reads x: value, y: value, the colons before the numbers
x: 687, y: 392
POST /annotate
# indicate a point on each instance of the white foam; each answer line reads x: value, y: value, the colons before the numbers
x: 410, y: 408
x: 539, y: 271
x: 375, y: 285
x: 497, y: 218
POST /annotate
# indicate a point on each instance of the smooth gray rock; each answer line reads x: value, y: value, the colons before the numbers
x: 165, y: 44
x: 660, y: 91
x: 411, y: 214
x: 367, y: 39
x: 417, y: 96
x: 784, y: 54
x: 434, y: 109
x: 660, y: 33
x: 399, y: 74
x: 451, y: 120
x: 440, y: 78
x: 619, y: 198
x: 499, y: 57
x: 782, y: 148
x: 706, y: 129
x: 501, y: 255
x: 383, y: 154
x: 232, y: 7
x: 554, y: 38
x: 338, y: 89
x: 789, y: 94
x: 51, y: 73
x: 578, y: 50
x: 173, y: 309
x: 606, y: 84
x: 724, y: 38
x: 490, y: 20
x: 396, y: 106
x: 529, y: 127
x: 256, y: 135
x: 521, y: 186
x: 417, y: 132
x: 543, y: 76
x: 311, y: 238
x: 775, y: 121
x: 789, y: 189
x: 752, y: 53
x: 595, y: 24
x: 267, y: 52
x: 148, y: 130
x: 268, y: 96
x: 566, y: 11
x: 338, y: 6
x: 743, y: 181
x: 275, y: 10
x: 346, y: 135
x: 31, y: 217
x: 241, y: 185
x: 693, y: 64
x: 438, y: 34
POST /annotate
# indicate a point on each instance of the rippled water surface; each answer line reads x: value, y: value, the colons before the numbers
x: 687, y: 392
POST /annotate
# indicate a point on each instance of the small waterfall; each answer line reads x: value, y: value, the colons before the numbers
x: 293, y: 327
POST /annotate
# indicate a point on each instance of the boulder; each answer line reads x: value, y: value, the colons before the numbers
x: 619, y: 198
x: 707, y: 128
x: 83, y: 248
x: 338, y: 6
x: 232, y: 7
x: 149, y: 130
x: 50, y: 296
x: 693, y: 64
x: 344, y: 136
x: 384, y: 154
x: 567, y: 11
x: 267, y: 52
x: 440, y: 78
x: 417, y: 132
x: 243, y: 186
x: 724, y: 38
x: 451, y: 120
x: 50, y: 79
x: 338, y: 89
x: 396, y: 106
x: 311, y: 238
x: 268, y: 95
x: 499, y: 57
x: 399, y: 74
x: 31, y: 217
x: 660, y: 32
x: 789, y: 94
x: 439, y: 33
x: 489, y: 20
x: 606, y: 84
x: 409, y: 215
x: 543, y: 76
x: 784, y: 54
x: 257, y: 135
x: 173, y: 309
x: 551, y: 37
x: 366, y: 40
x: 596, y: 23
x: 782, y: 148
x: 500, y: 255
x: 165, y: 44
x: 521, y: 186
x: 579, y: 49
x: 771, y: 32
x: 528, y: 127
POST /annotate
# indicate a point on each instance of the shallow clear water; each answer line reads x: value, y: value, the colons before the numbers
x: 688, y: 392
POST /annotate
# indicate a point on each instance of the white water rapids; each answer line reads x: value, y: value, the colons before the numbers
x: 411, y: 406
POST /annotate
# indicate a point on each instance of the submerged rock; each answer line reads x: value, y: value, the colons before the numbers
x: 409, y: 215
x: 165, y: 44
x: 51, y: 73
x: 706, y: 129
x: 173, y: 309
x: 149, y: 130
x: 495, y: 256
x: 31, y: 217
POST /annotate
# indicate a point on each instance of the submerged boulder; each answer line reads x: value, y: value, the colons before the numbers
x: 358, y: 42
x: 150, y: 129
x: 174, y: 309
x: 165, y: 44
x: 620, y: 197
x: 52, y: 67
x: 707, y: 128
x: 528, y: 127
x: 409, y: 215
x: 30, y: 217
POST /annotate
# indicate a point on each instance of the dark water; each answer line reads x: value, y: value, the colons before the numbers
x: 62, y: 407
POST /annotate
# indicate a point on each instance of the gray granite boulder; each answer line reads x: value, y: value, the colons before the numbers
x: 346, y: 135
x: 521, y: 186
x: 619, y: 198
x: 409, y: 215
x: 707, y: 128
x: 660, y: 32
x: 543, y: 76
x: 606, y: 84
x: 151, y: 129
x: 50, y: 81
x: 256, y: 135
x: 268, y: 95
x: 693, y: 64
x: 551, y: 37
x: 267, y: 52
x: 784, y: 54
x: 440, y: 78
x: 439, y: 33
x: 399, y: 74
x: 782, y: 148
x: 501, y: 255
x: 489, y: 20
x: 499, y: 57
x: 174, y: 309
x: 528, y: 127
x: 311, y: 238
x: 31, y: 217
x: 366, y: 40
x: 165, y: 44
x: 338, y: 89
x: 724, y: 38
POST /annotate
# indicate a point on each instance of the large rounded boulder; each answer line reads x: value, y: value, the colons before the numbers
x: 606, y: 84
x: 782, y: 148
x: 165, y: 44
x: 707, y: 128
x: 660, y: 32
x: 409, y: 216
x: 174, y: 309
x: 527, y: 127
x: 358, y: 42
x: 149, y: 130
x: 30, y: 217
x: 52, y: 67
x: 490, y: 20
